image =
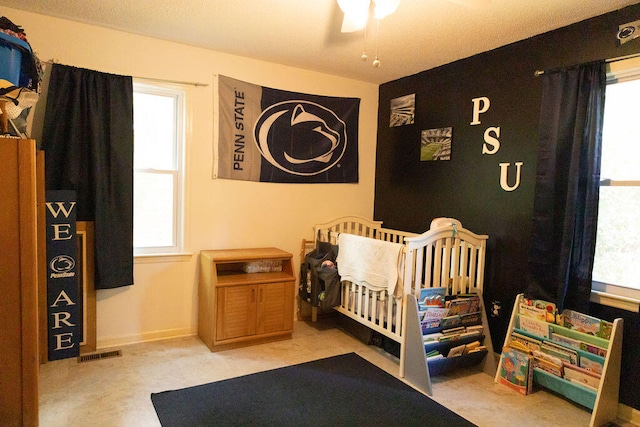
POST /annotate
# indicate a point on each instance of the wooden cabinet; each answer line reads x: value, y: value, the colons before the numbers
x: 245, y: 296
x: 19, y: 360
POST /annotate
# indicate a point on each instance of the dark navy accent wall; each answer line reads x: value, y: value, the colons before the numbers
x: 410, y: 193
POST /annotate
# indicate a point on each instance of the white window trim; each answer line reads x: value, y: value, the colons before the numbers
x: 177, y: 252
x: 615, y: 296
x: 604, y: 293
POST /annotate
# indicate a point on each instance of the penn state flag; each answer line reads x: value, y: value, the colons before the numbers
x: 271, y: 135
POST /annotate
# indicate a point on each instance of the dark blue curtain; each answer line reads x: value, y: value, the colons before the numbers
x: 88, y: 143
x: 567, y: 185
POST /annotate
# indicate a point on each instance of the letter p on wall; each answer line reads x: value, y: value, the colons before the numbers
x: 480, y: 105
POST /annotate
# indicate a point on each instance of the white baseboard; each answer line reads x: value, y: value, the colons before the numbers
x: 103, y: 343
x: 629, y: 414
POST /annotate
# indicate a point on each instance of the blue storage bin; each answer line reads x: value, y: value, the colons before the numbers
x: 11, y: 51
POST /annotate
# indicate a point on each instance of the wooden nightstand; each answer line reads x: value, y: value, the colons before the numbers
x: 245, y: 296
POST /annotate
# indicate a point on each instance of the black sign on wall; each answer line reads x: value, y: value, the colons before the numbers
x: 64, y: 321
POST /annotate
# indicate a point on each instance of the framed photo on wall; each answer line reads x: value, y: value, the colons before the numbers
x: 435, y: 144
x: 403, y: 110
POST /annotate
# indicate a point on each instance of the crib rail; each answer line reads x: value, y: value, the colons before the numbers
x: 373, y: 308
x: 446, y: 256
x: 328, y: 232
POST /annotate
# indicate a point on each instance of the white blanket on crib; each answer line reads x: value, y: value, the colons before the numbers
x: 373, y: 263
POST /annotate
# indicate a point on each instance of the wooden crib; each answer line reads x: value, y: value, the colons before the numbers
x: 446, y: 255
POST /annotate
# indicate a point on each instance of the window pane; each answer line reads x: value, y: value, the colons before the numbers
x: 154, y: 210
x: 617, y: 251
x: 621, y: 132
x: 155, y: 131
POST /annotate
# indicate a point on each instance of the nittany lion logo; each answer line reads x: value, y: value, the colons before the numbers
x: 62, y: 264
x: 301, y: 137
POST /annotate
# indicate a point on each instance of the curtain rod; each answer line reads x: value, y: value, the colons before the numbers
x: 538, y: 73
x: 196, y: 84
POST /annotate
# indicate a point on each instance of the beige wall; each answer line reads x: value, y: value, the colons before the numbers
x: 220, y: 214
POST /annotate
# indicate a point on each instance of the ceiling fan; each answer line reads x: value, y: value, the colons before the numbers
x: 356, y: 15
x: 357, y: 12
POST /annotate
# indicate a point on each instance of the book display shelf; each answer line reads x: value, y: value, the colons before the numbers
x: 438, y: 345
x: 575, y: 355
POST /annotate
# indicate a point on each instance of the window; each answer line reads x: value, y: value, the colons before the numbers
x: 158, y: 113
x: 616, y: 271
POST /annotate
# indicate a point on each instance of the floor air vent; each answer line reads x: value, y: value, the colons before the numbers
x: 98, y: 356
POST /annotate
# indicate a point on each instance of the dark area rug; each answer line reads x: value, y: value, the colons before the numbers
x: 343, y: 390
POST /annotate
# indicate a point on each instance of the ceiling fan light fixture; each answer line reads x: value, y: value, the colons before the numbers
x: 385, y: 8
x: 356, y: 13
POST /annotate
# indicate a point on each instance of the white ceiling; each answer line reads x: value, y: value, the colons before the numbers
x: 421, y: 35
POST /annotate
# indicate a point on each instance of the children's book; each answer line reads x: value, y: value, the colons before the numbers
x: 549, y: 308
x: 549, y: 358
x: 531, y: 343
x: 582, y: 376
x: 478, y: 348
x: 479, y: 328
x: 518, y: 346
x: 470, y: 319
x: 456, y: 330
x: 430, y: 317
x: 516, y: 370
x: 428, y: 325
x: 452, y: 334
x: 459, y: 306
x: 594, y: 366
x: 450, y: 321
x: 432, y: 353
x: 433, y: 312
x: 433, y: 297
x: 565, y: 340
x: 472, y: 333
x: 568, y: 355
x: 456, y: 351
x: 547, y: 366
x: 474, y: 301
x: 472, y: 346
x: 535, y: 327
x: 586, y: 324
x: 593, y: 349
x: 431, y: 337
x: 533, y: 312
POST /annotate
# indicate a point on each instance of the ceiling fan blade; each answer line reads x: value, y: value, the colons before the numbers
x: 334, y: 35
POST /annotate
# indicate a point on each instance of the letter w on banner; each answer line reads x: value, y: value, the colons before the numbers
x: 271, y: 135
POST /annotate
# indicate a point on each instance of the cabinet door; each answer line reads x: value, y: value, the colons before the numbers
x: 275, y: 307
x: 236, y: 315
